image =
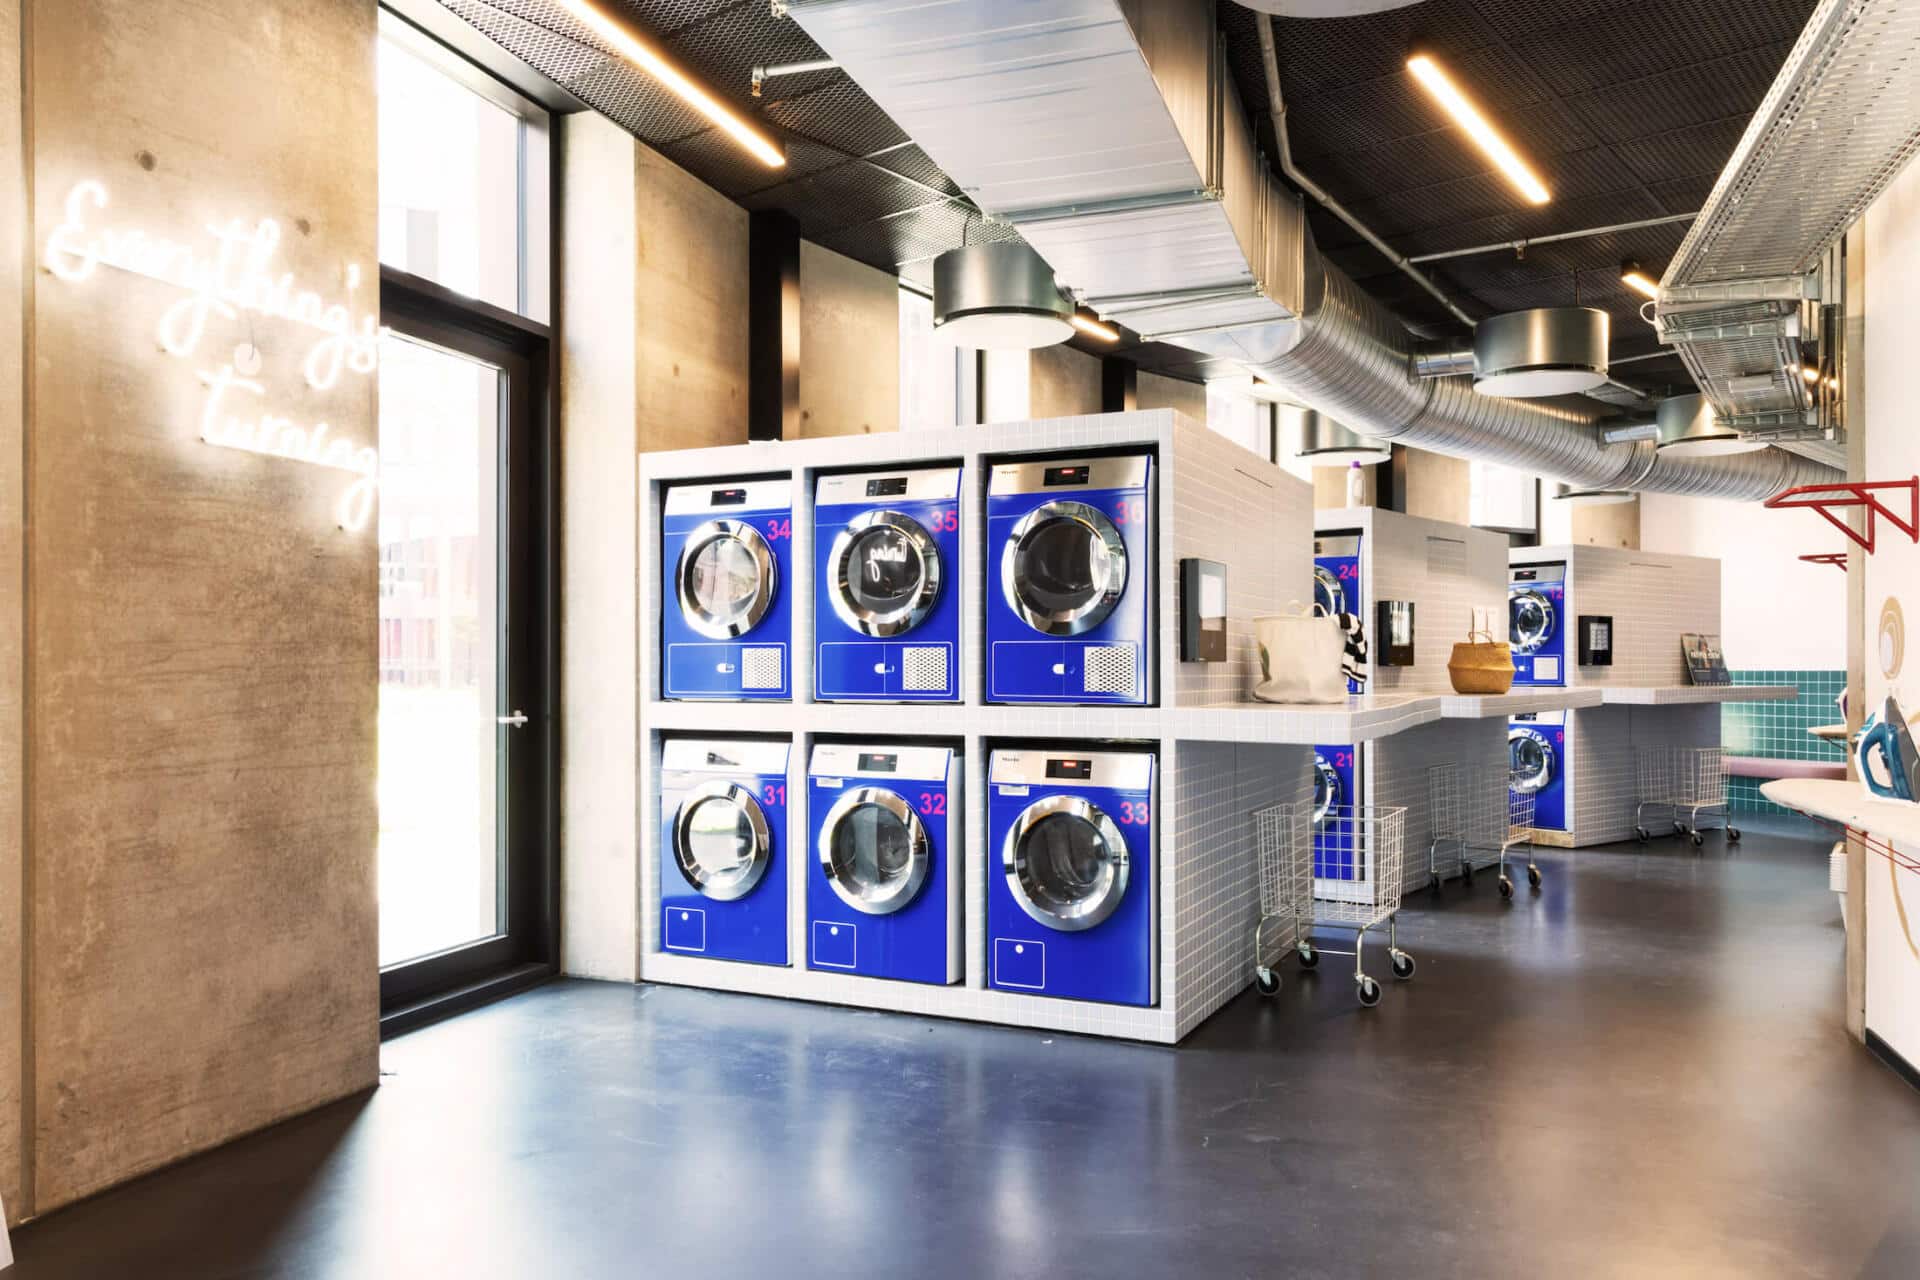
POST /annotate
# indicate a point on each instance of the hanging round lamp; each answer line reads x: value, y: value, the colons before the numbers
x: 1688, y: 427
x: 1591, y: 497
x: 1320, y: 440
x: 1545, y: 351
x: 999, y: 296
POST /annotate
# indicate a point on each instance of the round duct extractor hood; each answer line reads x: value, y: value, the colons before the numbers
x: 1000, y: 296
x: 1591, y: 497
x: 1547, y: 351
x: 1318, y: 439
x: 1325, y: 8
x: 1688, y: 427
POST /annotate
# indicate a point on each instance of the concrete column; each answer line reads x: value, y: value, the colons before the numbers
x: 1158, y: 392
x: 13, y: 213
x: 1064, y: 382
x: 849, y: 346
x: 201, y: 712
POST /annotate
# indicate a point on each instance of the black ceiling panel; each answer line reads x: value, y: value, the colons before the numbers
x: 840, y: 113
x: 720, y: 162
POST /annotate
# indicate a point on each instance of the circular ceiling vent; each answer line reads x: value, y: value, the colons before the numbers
x: 1546, y: 351
x: 1325, y: 8
x: 998, y: 296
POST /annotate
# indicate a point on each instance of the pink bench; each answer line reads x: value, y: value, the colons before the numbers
x: 1768, y: 767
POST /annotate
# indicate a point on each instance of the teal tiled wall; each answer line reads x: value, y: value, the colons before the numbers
x: 1779, y: 729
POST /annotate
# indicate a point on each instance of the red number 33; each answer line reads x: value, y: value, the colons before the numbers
x: 1133, y: 814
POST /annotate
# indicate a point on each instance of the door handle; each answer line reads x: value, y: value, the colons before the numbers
x: 517, y: 719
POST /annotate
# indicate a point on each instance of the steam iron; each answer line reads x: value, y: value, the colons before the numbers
x: 1887, y: 737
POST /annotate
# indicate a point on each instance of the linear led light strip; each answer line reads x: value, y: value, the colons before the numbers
x: 1484, y: 135
x: 649, y: 60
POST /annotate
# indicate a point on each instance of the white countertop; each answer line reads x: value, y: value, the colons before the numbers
x: 1685, y: 694
x: 1520, y: 701
x: 1847, y: 803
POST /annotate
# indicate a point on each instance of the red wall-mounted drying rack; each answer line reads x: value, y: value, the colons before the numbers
x: 1838, y: 559
x: 1828, y: 498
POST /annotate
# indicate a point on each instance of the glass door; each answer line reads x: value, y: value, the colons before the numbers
x: 466, y: 851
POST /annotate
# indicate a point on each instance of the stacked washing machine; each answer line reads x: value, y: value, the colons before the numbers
x: 1539, y: 617
x: 1069, y: 619
x: 1339, y: 870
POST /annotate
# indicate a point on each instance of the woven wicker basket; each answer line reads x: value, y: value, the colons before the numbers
x: 1481, y: 666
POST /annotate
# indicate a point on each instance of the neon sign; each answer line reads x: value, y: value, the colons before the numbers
x: 230, y: 276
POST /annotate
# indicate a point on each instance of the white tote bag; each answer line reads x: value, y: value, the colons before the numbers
x: 1299, y: 657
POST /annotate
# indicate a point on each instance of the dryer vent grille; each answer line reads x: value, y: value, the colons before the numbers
x: 760, y: 668
x: 1109, y: 669
x: 923, y: 669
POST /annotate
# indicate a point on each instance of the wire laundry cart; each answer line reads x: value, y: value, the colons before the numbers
x: 1676, y: 780
x: 1358, y: 850
x: 1478, y: 820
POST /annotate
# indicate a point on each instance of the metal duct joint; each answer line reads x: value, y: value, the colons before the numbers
x: 1093, y: 125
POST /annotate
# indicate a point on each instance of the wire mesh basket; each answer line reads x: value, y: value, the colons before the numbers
x: 1358, y: 852
x: 1674, y: 781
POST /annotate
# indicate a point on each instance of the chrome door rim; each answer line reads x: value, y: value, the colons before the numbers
x: 1325, y: 771
x: 696, y: 875
x: 874, y: 622
x: 1527, y: 643
x: 1533, y: 780
x: 1336, y: 594
x: 696, y: 614
x: 920, y: 853
x: 1067, y: 622
x: 1013, y: 863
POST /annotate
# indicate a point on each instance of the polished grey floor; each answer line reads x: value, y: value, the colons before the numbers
x: 1639, y: 1072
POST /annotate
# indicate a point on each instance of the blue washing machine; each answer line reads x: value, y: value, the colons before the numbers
x: 1070, y: 581
x: 726, y: 625
x: 883, y: 879
x: 1336, y: 790
x: 723, y: 836
x: 1537, y: 623
x: 1070, y: 895
x: 886, y: 611
x: 1538, y: 762
x: 1336, y: 580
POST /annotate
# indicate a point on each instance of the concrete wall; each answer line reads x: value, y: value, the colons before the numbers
x: 1610, y: 524
x: 1063, y: 383
x: 1159, y: 392
x: 13, y: 212
x: 1439, y: 487
x: 202, y: 702
x: 849, y: 346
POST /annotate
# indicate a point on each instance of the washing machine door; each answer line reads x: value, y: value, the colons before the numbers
x: 1530, y: 762
x: 1326, y: 789
x: 1066, y: 863
x: 874, y: 851
x: 1063, y: 568
x: 1530, y: 620
x: 885, y: 573
x: 1329, y: 597
x: 721, y: 840
x: 726, y: 578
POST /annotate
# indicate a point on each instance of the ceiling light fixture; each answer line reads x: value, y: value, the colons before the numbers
x: 1689, y: 427
x: 1000, y: 296
x: 1436, y: 82
x: 1545, y: 351
x: 1313, y: 437
x: 649, y: 60
x: 1635, y: 278
x: 1094, y: 328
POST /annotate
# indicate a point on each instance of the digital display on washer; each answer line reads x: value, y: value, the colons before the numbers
x: 1070, y: 770
x: 1067, y: 475
x: 1525, y: 575
x: 887, y: 487
x: 873, y: 762
x: 728, y: 497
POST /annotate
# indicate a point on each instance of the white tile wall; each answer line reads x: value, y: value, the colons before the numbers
x: 1652, y: 598
x: 1397, y: 775
x: 1446, y: 570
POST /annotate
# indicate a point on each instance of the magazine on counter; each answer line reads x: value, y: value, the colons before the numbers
x: 1705, y: 663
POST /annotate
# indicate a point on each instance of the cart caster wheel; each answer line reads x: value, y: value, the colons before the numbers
x: 1308, y: 957
x: 1642, y: 834
x: 1533, y: 877
x: 1402, y: 965
x: 1466, y: 875
x: 1733, y: 835
x: 1267, y: 980
x: 1506, y: 888
x: 1679, y: 828
x: 1368, y: 992
x: 1698, y: 839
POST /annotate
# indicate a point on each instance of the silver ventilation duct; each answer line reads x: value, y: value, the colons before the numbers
x: 1109, y: 134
